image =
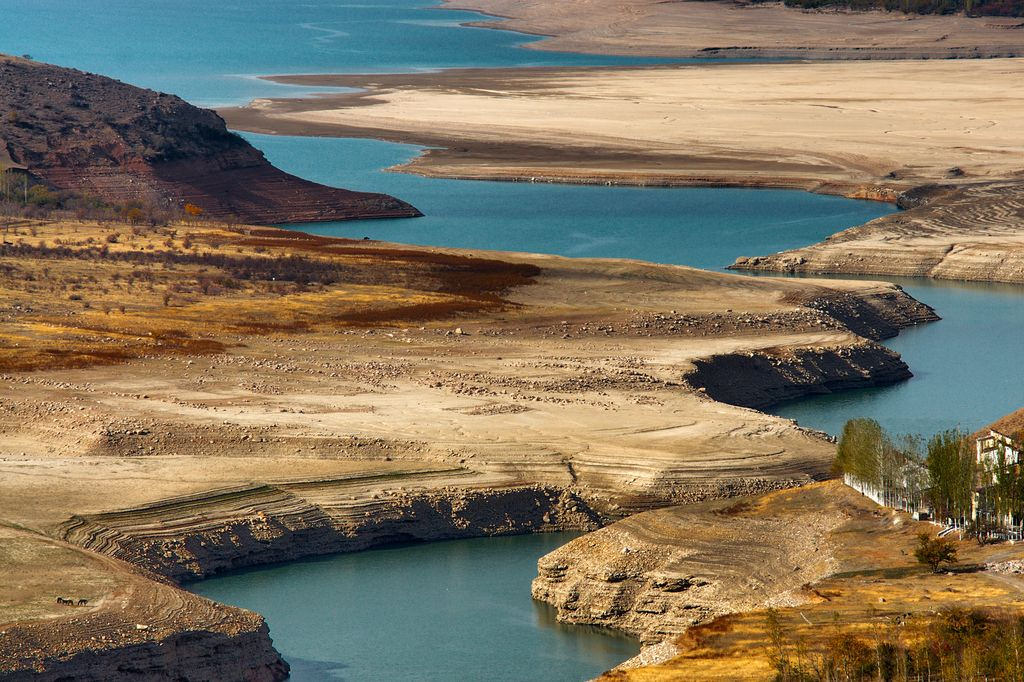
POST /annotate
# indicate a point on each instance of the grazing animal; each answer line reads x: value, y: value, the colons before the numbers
x: 83, y: 602
x: 62, y: 600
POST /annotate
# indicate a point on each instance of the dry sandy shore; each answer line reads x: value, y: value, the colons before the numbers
x: 883, y: 130
x: 892, y: 124
x: 586, y: 392
x: 733, y: 29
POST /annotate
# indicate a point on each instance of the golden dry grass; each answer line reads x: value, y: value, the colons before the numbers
x: 878, y: 581
x: 84, y: 293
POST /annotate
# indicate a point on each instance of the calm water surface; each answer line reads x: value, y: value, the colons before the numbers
x: 455, y: 610
x: 211, y: 52
x: 702, y: 227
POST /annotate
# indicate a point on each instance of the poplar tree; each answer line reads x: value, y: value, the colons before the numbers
x: 952, y: 474
x: 861, y: 449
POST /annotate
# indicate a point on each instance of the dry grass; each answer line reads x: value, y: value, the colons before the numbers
x: 81, y: 293
x: 877, y: 583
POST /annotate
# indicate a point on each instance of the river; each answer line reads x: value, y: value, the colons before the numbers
x: 452, y: 610
x: 461, y: 609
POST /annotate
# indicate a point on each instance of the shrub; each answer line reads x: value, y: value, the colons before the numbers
x: 934, y: 552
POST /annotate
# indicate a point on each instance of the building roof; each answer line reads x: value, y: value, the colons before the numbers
x: 1011, y: 425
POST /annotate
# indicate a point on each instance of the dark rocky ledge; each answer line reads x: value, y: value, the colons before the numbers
x: 762, y: 379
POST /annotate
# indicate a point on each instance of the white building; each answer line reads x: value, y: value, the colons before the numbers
x: 1003, y: 435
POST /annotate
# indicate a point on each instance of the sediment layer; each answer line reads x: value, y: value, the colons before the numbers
x: 747, y: 30
x: 656, y: 574
x: 219, y: 531
x: 198, y: 656
x: 760, y: 380
x: 99, y: 137
x: 966, y: 233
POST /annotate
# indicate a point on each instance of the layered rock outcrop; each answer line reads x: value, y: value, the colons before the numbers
x: 97, y: 136
x: 196, y: 656
x: 762, y: 379
x: 201, y: 535
x: 656, y: 574
x: 972, y: 232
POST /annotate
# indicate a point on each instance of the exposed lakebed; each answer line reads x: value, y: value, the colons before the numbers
x: 461, y: 609
x: 959, y: 363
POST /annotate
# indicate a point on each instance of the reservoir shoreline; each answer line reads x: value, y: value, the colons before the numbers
x: 962, y: 217
x: 547, y: 393
x: 425, y: 485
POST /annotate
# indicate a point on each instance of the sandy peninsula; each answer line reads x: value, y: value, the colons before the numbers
x: 941, y: 138
x: 745, y: 29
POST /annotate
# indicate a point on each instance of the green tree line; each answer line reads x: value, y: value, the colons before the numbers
x: 942, y: 473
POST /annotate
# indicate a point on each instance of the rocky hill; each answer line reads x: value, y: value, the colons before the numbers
x: 94, y: 135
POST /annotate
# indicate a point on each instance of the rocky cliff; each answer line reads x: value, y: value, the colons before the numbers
x: 656, y: 574
x: 201, y: 535
x: 185, y: 656
x: 762, y: 379
x: 97, y: 136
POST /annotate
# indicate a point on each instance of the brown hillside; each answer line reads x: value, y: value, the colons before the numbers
x: 95, y: 135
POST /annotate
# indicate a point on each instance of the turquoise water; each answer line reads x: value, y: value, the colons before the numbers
x: 210, y: 52
x: 965, y: 367
x: 455, y: 610
x: 694, y: 226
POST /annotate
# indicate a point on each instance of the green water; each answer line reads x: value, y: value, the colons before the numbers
x: 453, y: 610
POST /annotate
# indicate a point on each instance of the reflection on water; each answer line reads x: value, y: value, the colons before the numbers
x: 458, y: 610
